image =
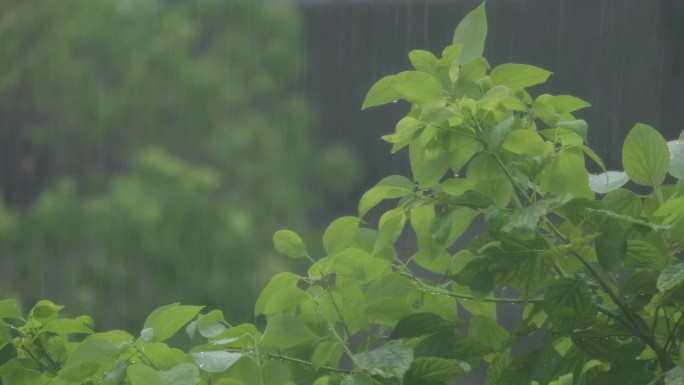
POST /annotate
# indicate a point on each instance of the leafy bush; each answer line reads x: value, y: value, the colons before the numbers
x: 594, y: 267
x: 146, y: 148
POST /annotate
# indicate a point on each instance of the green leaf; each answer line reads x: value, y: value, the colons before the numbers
x: 44, y: 310
x: 452, y: 345
x: 390, y: 226
x: 340, y: 234
x: 390, y: 360
x: 577, y: 126
x: 673, y: 209
x: 239, y: 336
x: 5, y: 336
x: 211, y: 324
x: 284, y: 300
x: 77, y: 373
x: 472, y: 33
x: 671, y: 278
x: 610, y: 245
x: 428, y: 370
x: 520, y: 371
x: 9, y: 309
x: 162, y: 356
x: 518, y: 76
x: 428, y: 170
x: 623, y: 202
x: 440, y: 226
x: 676, y: 168
x: 215, y: 361
x: 644, y: 255
x: 359, y: 378
x: 563, y: 103
x: 181, y: 374
x: 607, y: 181
x: 645, y: 156
x: 406, y: 131
x: 381, y: 93
x: 449, y: 56
x: 165, y: 324
x: 285, y: 331
x: 417, y: 87
x: 499, y: 133
x: 566, y: 175
x: 327, y: 353
x: 423, y: 61
x: 675, y: 376
x: 528, y: 217
x: 494, y: 98
x: 567, y: 302
x: 471, y: 198
x: 289, y: 243
x: 391, y: 187
x: 66, y: 326
x: 276, y: 373
x: 277, y: 283
x: 139, y: 374
x: 419, y: 324
x: 524, y: 142
x: 496, y: 368
x: 487, y: 331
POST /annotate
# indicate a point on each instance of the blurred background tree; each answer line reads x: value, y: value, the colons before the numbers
x: 148, y: 150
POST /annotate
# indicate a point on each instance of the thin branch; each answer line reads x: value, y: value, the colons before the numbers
x: 307, y: 363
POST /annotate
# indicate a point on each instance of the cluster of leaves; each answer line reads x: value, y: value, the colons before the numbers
x: 594, y: 268
x: 148, y: 146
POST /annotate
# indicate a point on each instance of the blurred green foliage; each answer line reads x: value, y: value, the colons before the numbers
x: 139, y: 131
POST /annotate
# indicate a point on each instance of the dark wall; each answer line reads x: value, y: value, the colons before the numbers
x: 626, y: 57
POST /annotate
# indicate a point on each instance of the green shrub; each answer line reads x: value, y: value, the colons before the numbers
x: 157, y: 141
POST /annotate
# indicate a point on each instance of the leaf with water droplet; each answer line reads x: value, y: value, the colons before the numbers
x: 676, y: 168
x: 215, y: 361
x: 608, y: 181
x: 390, y: 360
x: 645, y: 155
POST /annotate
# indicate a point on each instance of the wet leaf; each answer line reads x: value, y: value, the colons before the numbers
x: 645, y: 156
x: 388, y: 361
x: 472, y: 32
x: 289, y: 243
